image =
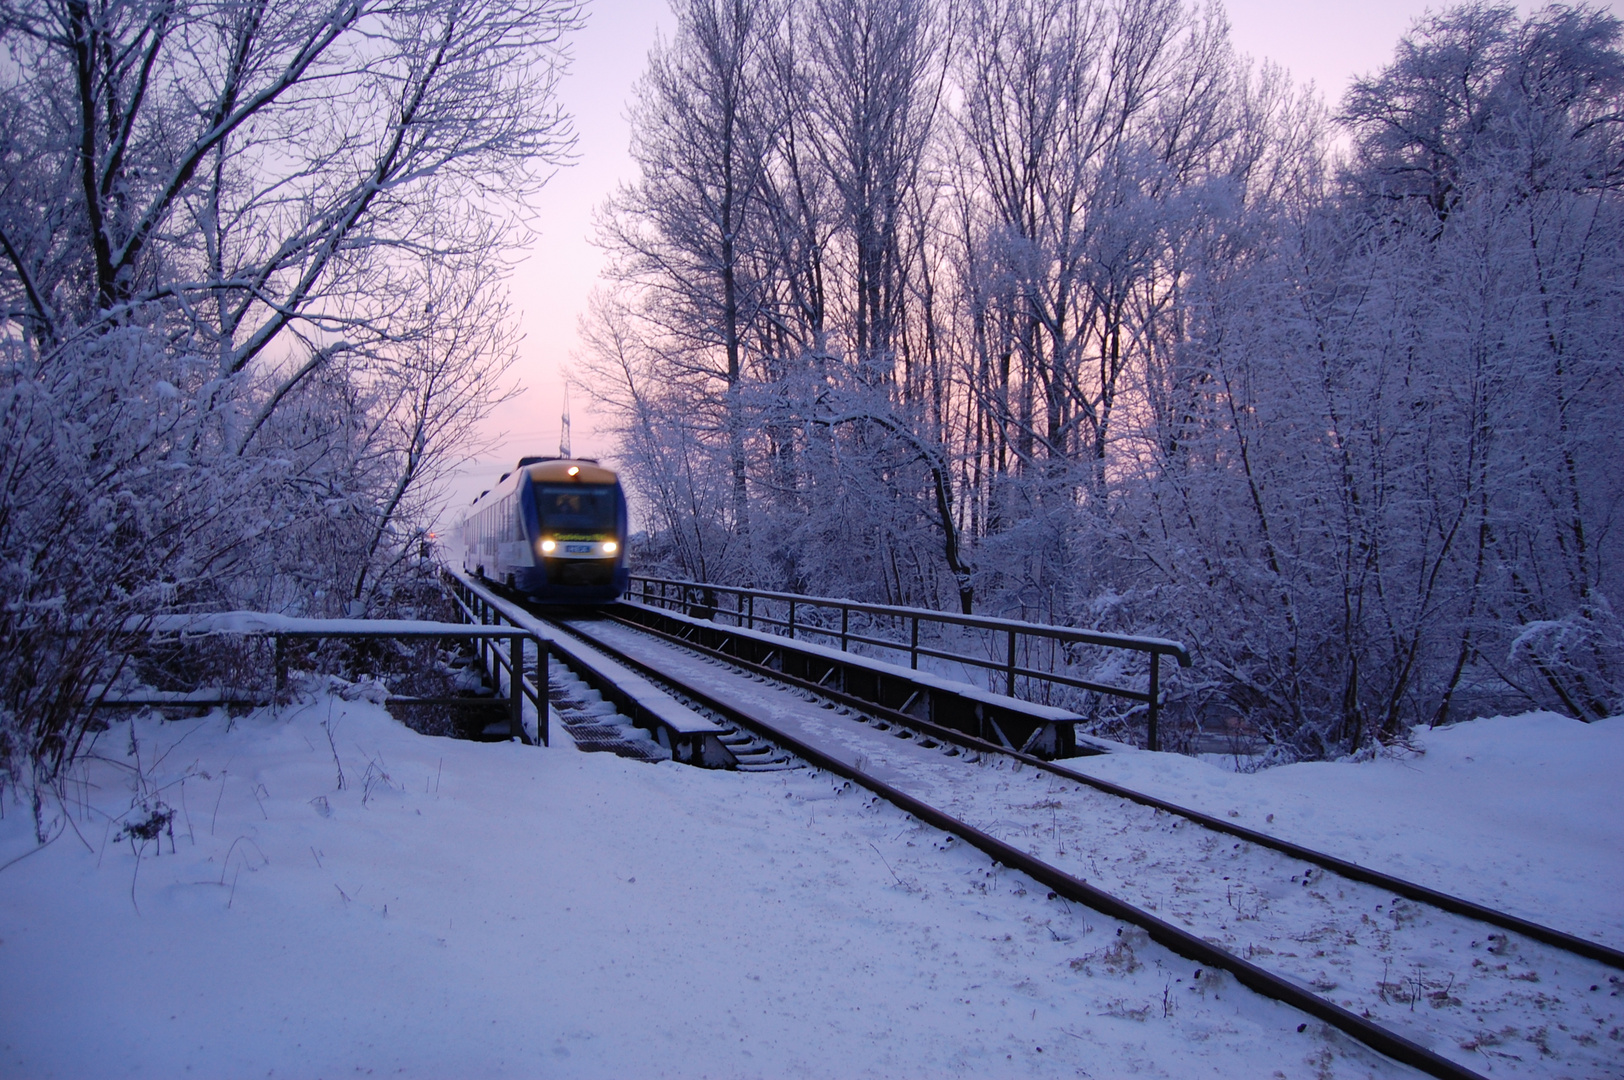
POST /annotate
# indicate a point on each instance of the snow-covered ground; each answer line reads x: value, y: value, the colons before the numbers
x: 1522, y: 813
x: 1491, y: 1003
x: 456, y: 909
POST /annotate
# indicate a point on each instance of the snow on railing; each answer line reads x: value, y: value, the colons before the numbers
x: 704, y: 600
x: 529, y: 725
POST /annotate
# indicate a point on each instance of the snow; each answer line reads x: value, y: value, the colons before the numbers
x: 1520, y: 1007
x: 1523, y: 813
x: 479, y: 910
x: 270, y: 623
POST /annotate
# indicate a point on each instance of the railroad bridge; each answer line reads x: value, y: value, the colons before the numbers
x: 759, y: 681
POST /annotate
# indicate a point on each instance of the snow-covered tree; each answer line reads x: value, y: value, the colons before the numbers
x: 1060, y: 306
x: 250, y: 260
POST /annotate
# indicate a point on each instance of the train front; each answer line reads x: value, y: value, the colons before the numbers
x: 575, y: 513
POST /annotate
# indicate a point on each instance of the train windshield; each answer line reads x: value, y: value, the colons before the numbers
x: 577, y: 507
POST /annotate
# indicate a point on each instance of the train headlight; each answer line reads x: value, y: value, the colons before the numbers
x: 610, y: 547
x: 575, y: 470
x: 548, y: 546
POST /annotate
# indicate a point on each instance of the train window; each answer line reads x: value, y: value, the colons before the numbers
x: 577, y: 506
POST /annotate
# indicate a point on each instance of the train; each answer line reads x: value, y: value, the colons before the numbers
x: 553, y: 529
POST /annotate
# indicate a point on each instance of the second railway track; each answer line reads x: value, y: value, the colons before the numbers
x: 1424, y: 983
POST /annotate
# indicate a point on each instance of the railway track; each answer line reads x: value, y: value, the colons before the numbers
x: 597, y: 725
x: 1437, y: 982
x: 1407, y: 889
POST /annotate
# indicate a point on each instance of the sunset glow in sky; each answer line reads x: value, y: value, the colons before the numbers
x: 1326, y: 43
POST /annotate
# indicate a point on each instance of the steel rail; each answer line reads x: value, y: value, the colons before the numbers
x: 1174, y: 938
x: 1456, y: 905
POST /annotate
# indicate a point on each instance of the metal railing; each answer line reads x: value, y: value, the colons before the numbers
x: 784, y: 613
x: 491, y: 628
x: 281, y: 629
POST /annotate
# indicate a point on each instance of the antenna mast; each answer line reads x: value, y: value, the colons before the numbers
x: 564, y: 426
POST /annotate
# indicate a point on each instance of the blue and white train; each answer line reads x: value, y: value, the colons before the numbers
x: 553, y: 529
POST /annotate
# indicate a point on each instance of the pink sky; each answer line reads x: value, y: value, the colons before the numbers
x: 1326, y: 43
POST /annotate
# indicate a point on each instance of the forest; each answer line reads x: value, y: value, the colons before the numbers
x: 1053, y: 309
x: 1061, y: 310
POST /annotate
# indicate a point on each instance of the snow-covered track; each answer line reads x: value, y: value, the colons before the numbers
x: 606, y: 706
x: 726, y: 744
x: 823, y: 735
x: 1347, y: 952
x: 1593, y: 950
x: 1042, y: 730
x: 594, y: 724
